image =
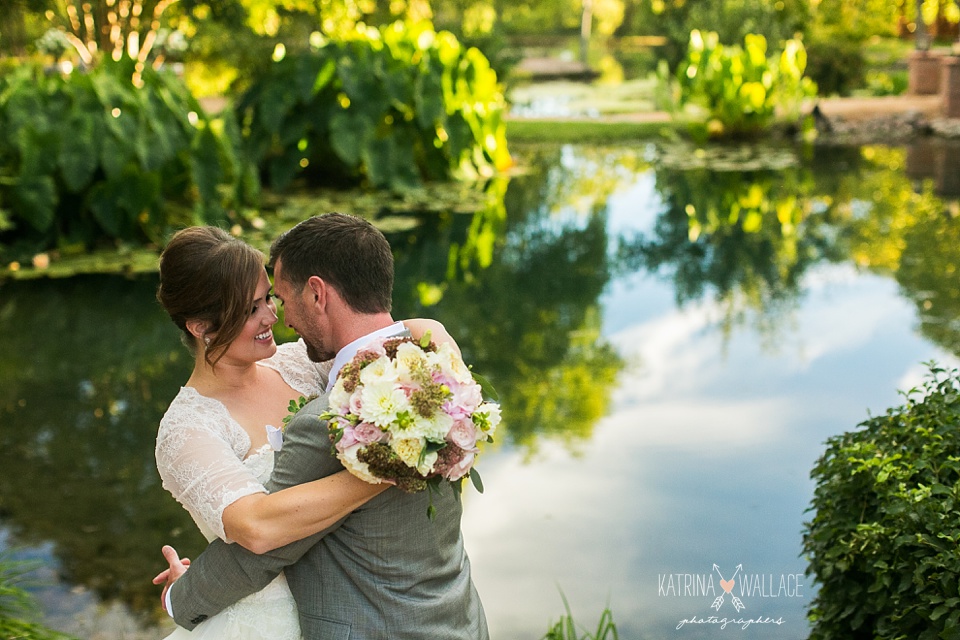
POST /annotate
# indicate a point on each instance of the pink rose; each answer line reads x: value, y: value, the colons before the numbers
x: 464, y: 399
x: 375, y: 347
x: 348, y: 439
x: 355, y: 404
x: 461, y: 468
x: 463, y: 433
x: 367, y: 433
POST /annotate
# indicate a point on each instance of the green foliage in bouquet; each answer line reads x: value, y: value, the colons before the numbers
x: 88, y: 156
x: 883, y: 542
x: 391, y: 107
x: 731, y: 90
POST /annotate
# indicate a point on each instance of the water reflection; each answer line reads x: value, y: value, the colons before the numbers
x: 936, y: 159
x: 87, y: 367
x: 614, y: 296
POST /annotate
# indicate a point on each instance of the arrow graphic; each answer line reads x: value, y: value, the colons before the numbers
x: 727, y: 586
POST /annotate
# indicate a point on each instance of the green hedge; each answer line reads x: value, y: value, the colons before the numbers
x: 884, y: 544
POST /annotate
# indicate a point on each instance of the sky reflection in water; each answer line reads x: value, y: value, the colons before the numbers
x: 704, y: 457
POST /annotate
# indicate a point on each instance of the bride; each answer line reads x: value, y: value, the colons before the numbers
x: 213, y: 450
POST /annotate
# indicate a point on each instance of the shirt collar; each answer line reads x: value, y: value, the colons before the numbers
x: 346, y: 354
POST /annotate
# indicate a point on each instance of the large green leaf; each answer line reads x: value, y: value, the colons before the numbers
x: 276, y: 104
x: 205, y: 164
x: 80, y: 151
x: 117, y: 204
x: 349, y: 133
x: 377, y: 157
x: 283, y: 168
x: 103, y: 202
x: 114, y: 156
x: 305, y: 71
x: 428, y: 96
x: 162, y: 135
x: 324, y: 76
x: 35, y: 201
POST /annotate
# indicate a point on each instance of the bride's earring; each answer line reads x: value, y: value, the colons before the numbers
x: 206, y: 340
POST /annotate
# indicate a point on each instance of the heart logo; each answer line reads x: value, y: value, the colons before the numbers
x: 727, y: 585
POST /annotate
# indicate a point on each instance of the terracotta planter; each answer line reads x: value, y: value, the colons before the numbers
x: 924, y: 73
x: 950, y: 86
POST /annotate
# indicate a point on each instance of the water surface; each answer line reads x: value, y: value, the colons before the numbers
x: 674, y: 333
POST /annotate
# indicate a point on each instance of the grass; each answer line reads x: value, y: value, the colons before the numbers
x: 594, y: 131
x: 16, y: 604
x: 566, y: 628
x: 585, y: 98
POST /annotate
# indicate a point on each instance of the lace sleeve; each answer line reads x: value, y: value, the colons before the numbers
x: 201, y: 465
x: 301, y: 373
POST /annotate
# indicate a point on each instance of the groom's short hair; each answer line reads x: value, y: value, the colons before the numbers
x: 346, y: 251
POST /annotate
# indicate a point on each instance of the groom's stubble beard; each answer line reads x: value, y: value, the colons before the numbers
x: 318, y: 352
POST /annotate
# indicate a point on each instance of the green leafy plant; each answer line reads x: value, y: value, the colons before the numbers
x: 294, y: 407
x: 733, y: 90
x: 391, y: 107
x: 88, y: 156
x: 883, y: 541
x: 836, y: 63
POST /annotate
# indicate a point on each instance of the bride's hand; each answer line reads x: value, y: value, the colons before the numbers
x: 177, y: 568
x: 438, y: 333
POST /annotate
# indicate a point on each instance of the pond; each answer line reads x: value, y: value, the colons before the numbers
x: 674, y: 333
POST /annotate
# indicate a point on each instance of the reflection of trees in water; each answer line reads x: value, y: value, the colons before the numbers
x: 744, y: 238
x: 913, y: 235
x: 894, y: 226
x: 928, y: 275
x: 87, y: 369
x: 88, y: 365
x: 747, y: 238
x: 529, y: 320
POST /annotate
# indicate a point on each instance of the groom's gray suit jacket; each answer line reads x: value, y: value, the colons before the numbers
x: 386, y: 572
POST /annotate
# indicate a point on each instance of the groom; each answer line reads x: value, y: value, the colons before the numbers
x: 386, y: 572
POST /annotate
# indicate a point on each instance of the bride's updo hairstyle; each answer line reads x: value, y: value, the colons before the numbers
x: 208, y: 275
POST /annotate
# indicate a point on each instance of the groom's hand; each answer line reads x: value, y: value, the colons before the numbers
x: 177, y: 568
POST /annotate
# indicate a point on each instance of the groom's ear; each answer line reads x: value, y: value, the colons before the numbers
x: 316, y: 290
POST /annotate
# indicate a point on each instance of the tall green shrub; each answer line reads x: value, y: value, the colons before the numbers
x: 884, y: 543
x: 837, y: 64
x: 732, y: 19
x: 88, y: 156
x: 392, y: 107
x: 737, y: 90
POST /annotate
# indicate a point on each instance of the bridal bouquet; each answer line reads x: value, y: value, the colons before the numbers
x: 411, y: 413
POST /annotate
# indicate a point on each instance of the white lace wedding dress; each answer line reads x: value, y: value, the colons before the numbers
x: 202, y: 458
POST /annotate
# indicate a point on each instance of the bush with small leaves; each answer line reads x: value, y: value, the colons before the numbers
x: 884, y: 542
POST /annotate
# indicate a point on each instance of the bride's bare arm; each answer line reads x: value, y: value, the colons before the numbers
x: 438, y: 333
x: 264, y: 521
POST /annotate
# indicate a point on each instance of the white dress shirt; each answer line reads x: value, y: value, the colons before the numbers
x: 346, y: 354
